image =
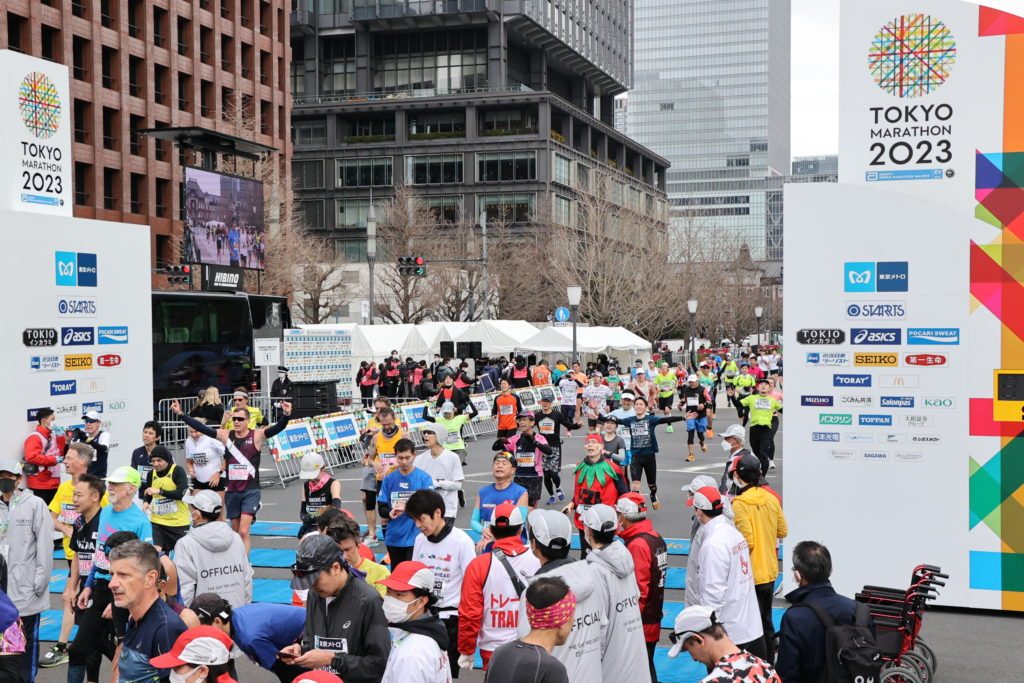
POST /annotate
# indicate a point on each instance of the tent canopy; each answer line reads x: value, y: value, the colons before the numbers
x: 374, y: 342
x: 436, y: 332
x: 498, y: 336
x: 588, y: 340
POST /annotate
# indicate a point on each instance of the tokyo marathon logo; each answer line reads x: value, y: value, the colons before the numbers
x: 39, y: 102
x: 912, y: 55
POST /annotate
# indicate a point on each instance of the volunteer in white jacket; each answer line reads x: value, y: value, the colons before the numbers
x: 26, y: 542
x: 419, y: 641
x: 726, y: 580
x: 443, y: 466
x: 550, y: 537
x: 623, y: 650
x: 211, y: 557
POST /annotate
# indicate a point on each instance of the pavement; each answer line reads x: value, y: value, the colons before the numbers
x: 970, y: 644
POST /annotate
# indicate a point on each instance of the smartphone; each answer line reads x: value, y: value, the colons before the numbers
x: 287, y: 656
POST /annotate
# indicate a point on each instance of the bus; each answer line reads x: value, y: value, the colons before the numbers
x: 203, y: 339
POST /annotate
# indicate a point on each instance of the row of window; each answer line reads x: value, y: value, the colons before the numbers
x: 507, y: 207
x: 429, y: 169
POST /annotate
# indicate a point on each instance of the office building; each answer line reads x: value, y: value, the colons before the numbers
x: 712, y: 95
x: 496, y: 106
x: 138, y: 64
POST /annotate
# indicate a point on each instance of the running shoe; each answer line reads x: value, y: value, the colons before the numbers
x: 551, y: 500
x: 654, y: 501
x: 371, y: 542
x: 711, y: 433
x: 771, y: 464
x: 703, y: 447
x: 55, y: 656
x: 691, y: 457
x: 561, y: 496
x: 669, y: 430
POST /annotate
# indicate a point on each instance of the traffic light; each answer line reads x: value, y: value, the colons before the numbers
x: 415, y: 266
x: 178, y: 275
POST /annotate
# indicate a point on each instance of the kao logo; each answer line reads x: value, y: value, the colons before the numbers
x: 871, y: 276
x: 912, y: 56
x: 40, y: 105
x: 75, y: 269
x: 938, y: 402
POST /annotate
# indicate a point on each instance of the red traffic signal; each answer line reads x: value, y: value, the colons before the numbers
x: 412, y: 266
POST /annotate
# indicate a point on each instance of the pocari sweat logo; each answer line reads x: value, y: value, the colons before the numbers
x: 112, y: 335
x: 940, y: 336
x: 75, y: 269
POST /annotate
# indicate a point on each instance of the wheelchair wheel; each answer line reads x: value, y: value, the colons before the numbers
x: 915, y: 661
x: 925, y: 651
x: 899, y: 674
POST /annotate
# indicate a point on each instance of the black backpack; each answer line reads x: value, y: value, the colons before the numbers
x: 851, y: 653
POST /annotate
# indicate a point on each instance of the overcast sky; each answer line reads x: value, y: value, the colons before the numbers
x: 815, y: 87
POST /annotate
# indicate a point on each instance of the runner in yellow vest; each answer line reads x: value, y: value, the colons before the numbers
x: 162, y: 493
x: 761, y: 407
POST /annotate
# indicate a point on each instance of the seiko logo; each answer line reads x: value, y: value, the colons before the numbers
x: 876, y: 360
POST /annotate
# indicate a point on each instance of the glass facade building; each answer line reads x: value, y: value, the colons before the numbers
x: 712, y: 95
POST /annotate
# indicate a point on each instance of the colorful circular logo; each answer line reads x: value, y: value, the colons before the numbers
x: 39, y: 102
x: 912, y: 55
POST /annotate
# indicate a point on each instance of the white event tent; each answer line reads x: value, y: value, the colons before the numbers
x: 588, y: 340
x: 498, y: 336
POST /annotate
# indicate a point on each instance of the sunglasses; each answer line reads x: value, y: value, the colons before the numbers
x: 239, y: 419
x: 683, y: 638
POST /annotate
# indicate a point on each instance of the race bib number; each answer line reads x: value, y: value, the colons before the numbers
x: 388, y: 460
x: 526, y: 459
x: 453, y: 437
x: 238, y: 472
x: 662, y: 560
x: 84, y: 564
x: 68, y: 513
x: 164, y: 506
x: 546, y: 427
x: 692, y: 401
x: 763, y: 404
x: 505, y: 409
x: 399, y: 499
x: 199, y: 459
x: 144, y: 471
x: 100, y: 559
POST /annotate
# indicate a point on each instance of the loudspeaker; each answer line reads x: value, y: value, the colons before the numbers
x: 314, y: 398
x: 469, y: 350
x: 447, y: 349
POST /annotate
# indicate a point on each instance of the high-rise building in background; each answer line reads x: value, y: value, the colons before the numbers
x: 825, y: 165
x: 712, y: 95
x: 137, y: 65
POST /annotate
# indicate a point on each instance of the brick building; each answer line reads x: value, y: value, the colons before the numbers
x: 138, y: 64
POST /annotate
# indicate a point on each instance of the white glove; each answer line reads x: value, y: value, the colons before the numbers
x: 465, y: 661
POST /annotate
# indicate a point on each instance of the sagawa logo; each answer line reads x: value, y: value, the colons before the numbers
x: 825, y: 437
x: 875, y: 420
x: 938, y: 402
x: 75, y: 269
x: 109, y: 360
x: 816, y: 401
x: 896, y: 402
x: 44, y: 363
x: 835, y: 419
x: 93, y: 405
x: 112, y: 335
x: 855, y: 401
x: 875, y: 455
x: 828, y: 360
x: 65, y: 387
x: 851, y: 381
x: 76, y: 336
x: 935, y: 336
x: 930, y: 438
x: 862, y: 335
x: 871, y: 276
x: 882, y: 310
x: 859, y: 437
x: 820, y: 336
x: 876, y: 360
x: 80, y: 307
x: 916, y: 420
x: 926, y: 360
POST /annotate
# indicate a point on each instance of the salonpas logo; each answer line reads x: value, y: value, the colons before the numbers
x: 912, y: 55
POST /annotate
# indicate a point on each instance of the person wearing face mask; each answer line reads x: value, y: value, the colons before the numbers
x: 346, y: 632
x: 367, y: 379
x: 698, y: 630
x: 419, y: 648
x: 551, y: 610
x: 733, y: 439
x: 42, y: 454
x: 211, y: 557
x: 693, y: 563
x: 390, y: 375
x: 200, y: 655
x: 26, y: 544
x: 94, y: 435
x: 163, y: 493
x: 282, y: 386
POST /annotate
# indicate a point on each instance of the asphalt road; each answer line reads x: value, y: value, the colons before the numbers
x: 970, y: 644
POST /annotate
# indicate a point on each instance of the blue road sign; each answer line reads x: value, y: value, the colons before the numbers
x: 562, y: 314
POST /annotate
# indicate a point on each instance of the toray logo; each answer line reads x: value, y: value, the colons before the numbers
x: 851, y: 380
x: 75, y: 269
x: 871, y: 276
x: 63, y: 387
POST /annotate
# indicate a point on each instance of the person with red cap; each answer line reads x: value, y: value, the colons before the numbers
x: 596, y: 479
x: 492, y: 587
x: 318, y: 676
x: 419, y: 648
x: 650, y: 562
x: 199, y: 655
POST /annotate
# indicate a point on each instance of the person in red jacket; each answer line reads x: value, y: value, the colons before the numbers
x: 595, y: 480
x: 650, y: 560
x: 43, y: 454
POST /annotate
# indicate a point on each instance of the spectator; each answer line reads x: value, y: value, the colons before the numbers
x: 395, y: 490
x: 541, y: 374
x: 801, y: 634
x: 550, y: 609
x: 94, y: 435
x: 759, y: 517
x: 320, y: 491
x: 698, y: 631
x: 199, y: 655
x: 209, y: 408
x: 519, y: 375
x: 419, y: 652
x: 724, y: 581
x: 42, y: 457
x: 164, y: 491
x: 345, y: 532
x: 260, y: 630
x: 152, y: 432
x: 367, y: 378
x: 28, y: 537
x: 443, y: 466
x: 650, y: 562
x: 503, y: 490
x: 623, y: 652
x: 733, y: 444
x: 212, y: 544
x: 595, y: 480
x: 693, y: 563
x: 426, y: 390
x: 282, y: 386
x: 451, y: 393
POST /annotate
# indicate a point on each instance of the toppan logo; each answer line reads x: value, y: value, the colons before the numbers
x: 875, y: 420
x: 820, y: 336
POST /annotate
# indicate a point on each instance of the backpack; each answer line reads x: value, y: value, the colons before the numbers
x: 851, y: 653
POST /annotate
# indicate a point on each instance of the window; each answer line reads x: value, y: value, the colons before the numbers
x: 136, y: 17
x: 108, y: 13
x: 111, y: 128
x: 353, y: 251
x: 562, y: 171
x: 369, y: 130
x: 136, y: 76
x: 583, y: 177
x: 163, y: 198
x: 509, y: 122
x: 313, y: 213
x: 206, y: 104
x: 353, y: 213
x: 161, y: 83
x: 433, y: 169
x: 309, y: 133
x: 111, y: 188
x: 159, y: 26
x: 109, y: 63
x: 510, y: 208
x: 82, y: 120
x: 449, y: 61
x: 51, y: 43
x: 206, y: 45
x: 442, y: 125
x: 184, y: 35
x: 368, y: 172
x: 184, y: 92
x: 561, y: 210
x: 506, y: 166
x: 308, y: 175
x: 135, y: 138
x: 227, y: 52
x: 618, y: 190
x: 138, y: 193
x: 297, y: 70
x: 338, y: 65
x: 447, y: 208
x: 81, y: 55
x: 83, y: 183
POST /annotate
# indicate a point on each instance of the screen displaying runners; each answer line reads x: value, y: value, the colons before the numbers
x: 223, y: 219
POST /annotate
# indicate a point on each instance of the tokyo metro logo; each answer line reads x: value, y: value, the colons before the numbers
x: 912, y: 56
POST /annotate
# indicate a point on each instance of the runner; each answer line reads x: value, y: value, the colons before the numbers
x: 644, y: 446
x: 505, y: 408
x: 762, y: 409
x: 707, y: 379
x: 596, y: 479
x: 595, y: 400
x: 568, y: 387
x: 642, y: 386
x: 549, y: 425
x: 694, y: 402
x: 529, y: 449
x: 775, y: 393
x: 503, y: 490
x: 454, y: 424
x: 380, y: 456
x: 743, y: 387
x: 615, y: 382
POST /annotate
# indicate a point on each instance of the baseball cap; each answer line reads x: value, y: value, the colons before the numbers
x: 204, y: 500
x: 550, y: 528
x: 506, y: 456
x: 447, y: 407
x: 595, y: 373
x: 600, y: 518
x: 632, y: 503
x: 735, y: 431
x: 593, y: 437
x: 210, y: 606
x: 691, y: 378
x: 706, y: 498
x: 92, y: 416
x: 310, y: 466
x: 699, y: 482
x: 608, y: 418
x: 317, y: 676
x: 544, y: 397
x: 507, y: 514
x: 161, y: 453
x: 125, y: 475
x: 201, y: 645
x: 409, y: 576
x: 525, y: 413
x: 10, y: 465
x: 692, y: 620
x: 628, y: 396
x: 315, y: 554
x: 437, y: 430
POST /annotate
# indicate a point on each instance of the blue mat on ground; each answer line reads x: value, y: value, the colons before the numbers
x: 672, y: 610
x: 49, y: 625
x: 272, y: 557
x: 275, y: 529
x: 676, y: 578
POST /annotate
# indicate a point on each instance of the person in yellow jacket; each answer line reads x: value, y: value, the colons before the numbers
x: 240, y: 401
x: 162, y: 493
x: 759, y: 518
x: 761, y: 408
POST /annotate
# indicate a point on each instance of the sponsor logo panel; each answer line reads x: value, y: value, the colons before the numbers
x: 835, y: 419
x: 851, y: 381
x: 890, y: 336
x: 828, y: 359
x: 874, y: 420
x: 63, y: 387
x: 825, y: 437
x: 896, y: 402
x: 822, y: 336
x: 876, y: 310
x: 926, y: 360
x: 876, y: 360
x: 934, y: 336
x: 816, y: 401
x: 78, y: 361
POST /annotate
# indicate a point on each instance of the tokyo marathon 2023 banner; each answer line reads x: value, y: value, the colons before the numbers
x: 918, y: 456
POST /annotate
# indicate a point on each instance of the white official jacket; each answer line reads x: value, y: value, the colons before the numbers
x: 726, y: 581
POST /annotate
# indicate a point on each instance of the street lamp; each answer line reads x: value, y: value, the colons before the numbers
x: 371, y: 256
x: 574, y: 293
x: 691, y: 306
x: 758, y: 312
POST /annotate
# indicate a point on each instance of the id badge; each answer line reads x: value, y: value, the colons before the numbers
x: 691, y: 401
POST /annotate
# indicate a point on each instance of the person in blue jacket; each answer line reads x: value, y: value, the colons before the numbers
x: 259, y: 629
x: 395, y: 490
x: 644, y: 445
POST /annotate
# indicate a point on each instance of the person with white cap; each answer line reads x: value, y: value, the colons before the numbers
x: 734, y: 444
x: 93, y: 434
x: 453, y: 422
x: 725, y: 581
x: 240, y: 401
x: 26, y: 544
x: 163, y: 493
x: 419, y: 639
x: 443, y: 466
x: 693, y: 563
x: 320, y: 491
x: 623, y: 650
x: 199, y: 655
x: 650, y: 564
x: 211, y: 557
x: 551, y: 611
x: 694, y: 401
x: 706, y: 639
x: 550, y: 539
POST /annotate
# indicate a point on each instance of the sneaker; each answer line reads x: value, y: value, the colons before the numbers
x: 669, y: 430
x: 55, y: 656
x: 551, y: 500
x: 711, y: 433
x: 703, y: 447
x: 371, y: 542
x: 654, y: 501
x: 771, y: 464
x: 691, y: 457
x: 561, y: 496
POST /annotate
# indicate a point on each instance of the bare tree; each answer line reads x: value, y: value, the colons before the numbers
x: 520, y: 260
